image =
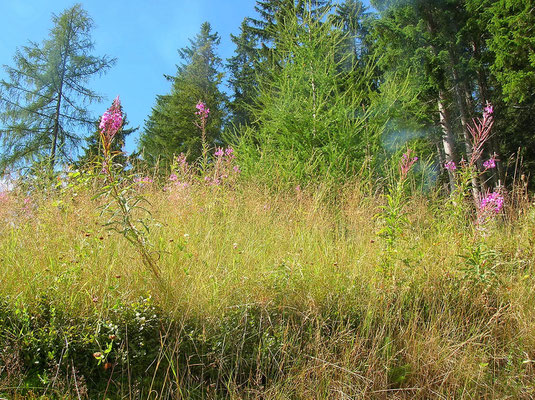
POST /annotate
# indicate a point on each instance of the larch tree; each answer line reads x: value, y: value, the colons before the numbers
x: 43, y: 104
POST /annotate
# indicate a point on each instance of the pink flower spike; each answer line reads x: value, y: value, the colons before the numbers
x: 450, y: 166
x: 111, y: 122
x: 490, y: 163
x: 492, y: 202
x: 218, y: 152
x: 406, y: 163
x: 489, y: 109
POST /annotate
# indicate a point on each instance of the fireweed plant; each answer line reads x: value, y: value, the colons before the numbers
x: 392, y: 216
x: 125, y: 202
x: 479, y: 262
x: 489, y: 204
x: 202, y: 114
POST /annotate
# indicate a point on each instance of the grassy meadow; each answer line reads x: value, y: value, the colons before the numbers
x: 265, y: 293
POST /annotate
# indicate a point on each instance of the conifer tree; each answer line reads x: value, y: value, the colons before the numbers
x: 307, y: 126
x: 43, y: 105
x: 171, y: 127
x: 255, y: 53
x: 242, y: 80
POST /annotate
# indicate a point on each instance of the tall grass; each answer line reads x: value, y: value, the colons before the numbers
x: 268, y: 294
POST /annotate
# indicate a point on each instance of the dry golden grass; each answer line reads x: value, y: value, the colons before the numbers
x: 309, y: 262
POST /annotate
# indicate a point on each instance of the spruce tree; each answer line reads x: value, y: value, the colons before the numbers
x: 171, y: 128
x: 242, y: 80
x: 255, y: 53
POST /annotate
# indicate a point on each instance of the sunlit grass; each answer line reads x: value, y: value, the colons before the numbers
x: 292, y: 280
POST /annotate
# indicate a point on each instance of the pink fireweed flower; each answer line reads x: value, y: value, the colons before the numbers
x: 480, y: 132
x: 144, y: 179
x: 236, y: 169
x: 492, y: 202
x: 181, y: 164
x: 173, y: 177
x: 219, y: 152
x: 229, y: 152
x: 450, y: 166
x: 406, y: 163
x: 489, y: 109
x: 490, y: 163
x: 110, y: 122
x: 202, y: 110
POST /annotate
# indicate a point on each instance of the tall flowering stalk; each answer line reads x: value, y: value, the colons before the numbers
x: 488, y: 207
x: 202, y: 114
x: 468, y: 172
x: 480, y: 131
x: 122, y: 219
x: 224, y: 169
x: 393, y: 215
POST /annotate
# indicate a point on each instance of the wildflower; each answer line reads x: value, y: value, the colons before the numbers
x: 236, y: 169
x: 173, y: 177
x: 489, y: 109
x: 406, y: 163
x: 144, y: 179
x: 480, y: 132
x: 492, y: 202
x: 110, y: 123
x: 490, y: 163
x: 450, y: 166
x: 202, y: 110
x: 218, y: 152
x: 229, y: 152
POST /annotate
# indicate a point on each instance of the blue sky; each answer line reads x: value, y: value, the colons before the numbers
x: 144, y: 36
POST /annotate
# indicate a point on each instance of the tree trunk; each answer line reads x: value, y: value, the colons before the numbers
x: 461, y: 104
x: 448, y: 141
x: 59, y: 92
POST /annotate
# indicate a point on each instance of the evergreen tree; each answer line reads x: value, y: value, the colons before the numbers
x: 307, y: 126
x: 421, y: 39
x: 43, y: 106
x: 509, y: 66
x: 242, y: 80
x: 355, y: 21
x: 171, y: 127
x: 512, y: 40
x: 255, y: 49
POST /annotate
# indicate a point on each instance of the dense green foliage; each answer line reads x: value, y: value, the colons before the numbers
x: 403, y: 73
x: 311, y: 122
